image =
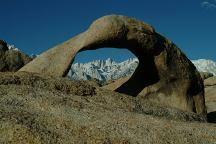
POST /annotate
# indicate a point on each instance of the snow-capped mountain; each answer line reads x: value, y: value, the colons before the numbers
x: 204, y: 65
x: 102, y: 69
x: 108, y: 69
x: 12, y: 47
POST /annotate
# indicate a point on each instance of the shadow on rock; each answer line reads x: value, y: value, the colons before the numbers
x: 211, y: 117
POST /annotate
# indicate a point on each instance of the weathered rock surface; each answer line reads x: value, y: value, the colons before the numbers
x: 11, y: 60
x: 206, y: 75
x: 41, y: 109
x: 3, y: 46
x: 211, y: 81
x: 210, y: 98
x: 164, y: 74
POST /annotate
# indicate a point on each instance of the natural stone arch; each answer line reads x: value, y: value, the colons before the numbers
x: 164, y: 74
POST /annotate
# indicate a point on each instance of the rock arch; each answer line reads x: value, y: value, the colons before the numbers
x: 164, y: 74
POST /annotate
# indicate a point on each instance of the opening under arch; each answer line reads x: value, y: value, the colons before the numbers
x: 103, y: 64
x: 144, y: 74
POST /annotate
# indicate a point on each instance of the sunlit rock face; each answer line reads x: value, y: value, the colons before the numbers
x: 164, y: 74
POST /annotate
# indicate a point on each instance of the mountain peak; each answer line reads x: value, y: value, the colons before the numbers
x: 12, y: 47
x: 205, y: 65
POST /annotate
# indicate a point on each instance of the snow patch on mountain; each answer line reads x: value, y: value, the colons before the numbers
x: 12, y: 47
x: 205, y: 65
x: 104, y: 70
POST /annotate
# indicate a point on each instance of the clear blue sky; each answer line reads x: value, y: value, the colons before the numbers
x: 36, y: 25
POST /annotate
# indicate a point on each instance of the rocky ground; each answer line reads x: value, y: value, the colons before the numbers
x: 40, y: 109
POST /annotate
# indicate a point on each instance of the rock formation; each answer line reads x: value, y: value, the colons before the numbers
x: 3, y: 46
x: 11, y: 60
x: 206, y: 75
x: 210, y: 98
x: 164, y: 74
x: 211, y: 81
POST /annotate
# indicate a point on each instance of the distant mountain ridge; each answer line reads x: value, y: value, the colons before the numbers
x: 104, y: 70
x: 204, y: 65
